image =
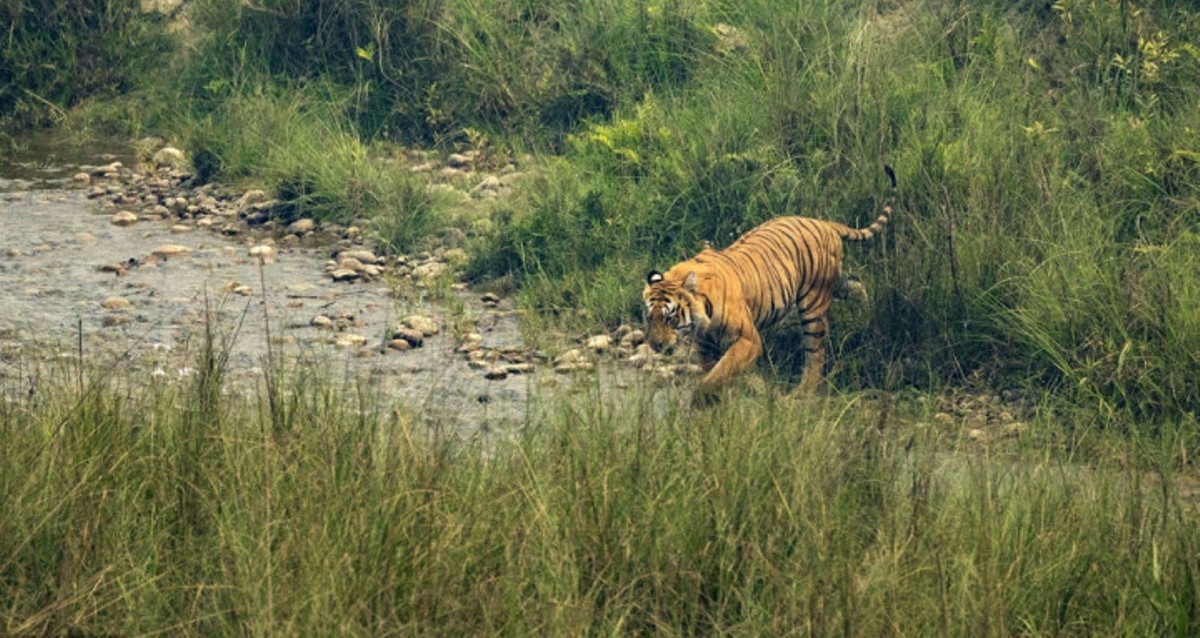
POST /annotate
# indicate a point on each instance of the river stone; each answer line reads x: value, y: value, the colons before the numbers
x: 487, y: 188
x: 82, y: 178
x: 425, y: 325
x: 349, y: 263
x: 460, y: 160
x: 250, y: 198
x: 107, y: 169
x: 635, y: 337
x: 568, y: 368
x: 569, y: 357
x: 343, y: 274
x: 322, y: 321
x: 115, y: 303
x: 642, y: 354
x: 171, y: 250
x: 124, y: 218
x: 415, y: 338
x: 599, y: 343
x: 170, y: 156
x: 429, y: 270
x: 350, y: 340
x: 263, y: 252
x: 179, y: 229
x: 361, y: 255
x: 400, y: 345
x: 116, y: 269
x: 301, y: 226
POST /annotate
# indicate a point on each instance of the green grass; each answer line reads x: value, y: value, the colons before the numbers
x: 185, y: 509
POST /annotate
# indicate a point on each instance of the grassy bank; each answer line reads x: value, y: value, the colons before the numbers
x: 183, y: 509
x: 1047, y: 155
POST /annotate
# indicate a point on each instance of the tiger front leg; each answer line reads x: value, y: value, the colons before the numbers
x: 745, y: 350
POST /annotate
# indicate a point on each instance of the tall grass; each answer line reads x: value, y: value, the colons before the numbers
x: 187, y: 509
x: 56, y: 53
x: 1045, y: 162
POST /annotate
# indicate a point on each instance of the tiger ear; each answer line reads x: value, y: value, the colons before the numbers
x: 690, y: 282
x: 654, y: 277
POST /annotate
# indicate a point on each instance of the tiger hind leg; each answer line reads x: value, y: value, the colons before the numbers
x: 814, y: 352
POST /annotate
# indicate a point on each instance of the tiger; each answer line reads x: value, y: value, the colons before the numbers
x: 726, y: 297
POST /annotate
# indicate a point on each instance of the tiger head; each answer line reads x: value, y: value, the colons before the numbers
x: 672, y: 306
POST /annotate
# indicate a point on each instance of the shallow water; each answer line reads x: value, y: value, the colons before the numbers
x: 53, y: 241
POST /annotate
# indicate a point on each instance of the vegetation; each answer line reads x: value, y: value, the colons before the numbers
x: 1047, y: 237
x: 186, y: 510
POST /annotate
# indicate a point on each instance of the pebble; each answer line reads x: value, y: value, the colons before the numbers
x: 570, y: 357
x: 350, y: 340
x: 115, y: 303
x: 263, y: 252
x: 116, y: 269
x: 415, y: 338
x: 322, y: 321
x: 634, y: 337
x: 642, y: 354
x: 301, y: 226
x: 349, y: 263
x: 171, y: 250
x: 360, y: 255
x: 343, y: 274
x: 124, y: 218
x: 400, y: 344
x: 425, y: 325
x: 170, y: 156
x: 599, y: 343
x: 489, y: 187
x: 429, y: 270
